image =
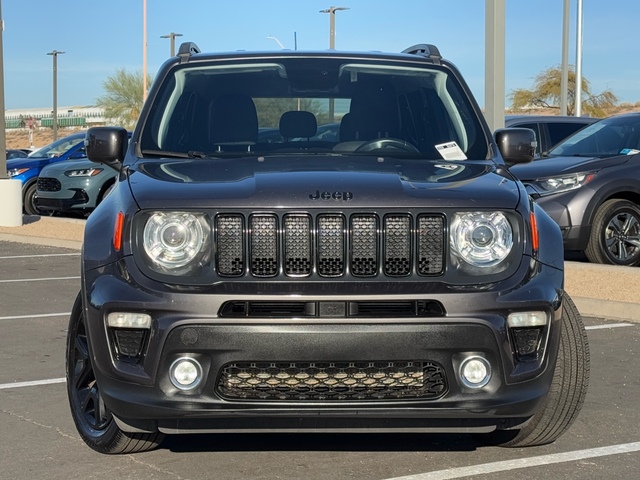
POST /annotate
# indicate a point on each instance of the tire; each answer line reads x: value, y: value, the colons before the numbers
x: 615, y: 234
x: 106, y: 191
x: 29, y: 200
x: 567, y: 393
x: 93, y: 420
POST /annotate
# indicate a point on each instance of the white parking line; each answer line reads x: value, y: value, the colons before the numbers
x: 38, y: 279
x: 495, y: 467
x: 40, y: 256
x: 18, y: 317
x: 608, y: 325
x: 4, y: 386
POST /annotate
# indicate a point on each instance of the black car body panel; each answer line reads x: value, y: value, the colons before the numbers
x: 342, y: 285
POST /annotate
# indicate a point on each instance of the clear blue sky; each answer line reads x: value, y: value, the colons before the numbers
x: 99, y: 37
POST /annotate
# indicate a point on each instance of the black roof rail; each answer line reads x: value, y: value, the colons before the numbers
x: 186, y: 50
x: 426, y: 50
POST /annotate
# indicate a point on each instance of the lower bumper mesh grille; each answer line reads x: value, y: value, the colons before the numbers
x: 332, y: 381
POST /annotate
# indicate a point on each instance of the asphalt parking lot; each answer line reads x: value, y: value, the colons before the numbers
x: 38, y: 440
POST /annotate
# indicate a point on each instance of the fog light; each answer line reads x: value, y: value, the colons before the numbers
x: 129, y: 320
x: 527, y: 319
x: 475, y: 372
x: 185, y: 373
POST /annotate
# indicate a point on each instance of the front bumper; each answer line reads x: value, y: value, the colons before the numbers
x: 186, y: 324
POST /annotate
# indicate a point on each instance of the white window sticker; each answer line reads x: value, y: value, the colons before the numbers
x: 451, y: 151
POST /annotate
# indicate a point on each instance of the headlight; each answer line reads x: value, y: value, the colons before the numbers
x: 177, y: 243
x: 84, y: 172
x: 565, y: 183
x: 16, y: 171
x: 481, y: 239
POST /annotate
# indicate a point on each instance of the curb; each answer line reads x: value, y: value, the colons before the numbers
x: 592, y: 307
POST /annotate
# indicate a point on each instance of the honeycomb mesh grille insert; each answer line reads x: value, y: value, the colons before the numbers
x: 364, y: 245
x: 332, y: 381
x: 397, y: 254
x: 46, y: 184
x: 331, y: 245
x: 430, y: 245
x: 129, y: 342
x: 264, y: 246
x: 297, y: 245
x: 230, y: 245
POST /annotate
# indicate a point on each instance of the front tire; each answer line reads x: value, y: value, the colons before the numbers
x: 567, y: 393
x: 29, y: 200
x: 93, y: 420
x: 615, y: 234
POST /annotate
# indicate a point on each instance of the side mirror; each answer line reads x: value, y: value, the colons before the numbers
x: 107, y: 145
x: 516, y: 145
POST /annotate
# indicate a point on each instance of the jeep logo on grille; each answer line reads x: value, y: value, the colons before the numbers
x: 344, y: 196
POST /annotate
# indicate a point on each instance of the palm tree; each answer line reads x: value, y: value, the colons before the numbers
x: 122, y: 101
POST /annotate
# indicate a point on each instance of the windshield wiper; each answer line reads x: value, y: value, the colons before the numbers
x: 171, y: 154
x: 165, y: 153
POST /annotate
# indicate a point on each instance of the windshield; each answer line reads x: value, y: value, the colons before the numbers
x: 606, y: 138
x: 311, y: 105
x: 57, y: 148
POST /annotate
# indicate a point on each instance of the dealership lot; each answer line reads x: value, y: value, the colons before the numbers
x: 38, y: 440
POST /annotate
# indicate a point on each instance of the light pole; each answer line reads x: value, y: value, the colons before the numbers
x: 10, y: 189
x: 55, y: 54
x: 172, y: 36
x: 275, y: 39
x: 578, y: 87
x: 332, y: 45
x: 144, y: 50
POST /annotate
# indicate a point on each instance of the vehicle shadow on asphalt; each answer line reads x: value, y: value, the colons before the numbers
x: 300, y: 442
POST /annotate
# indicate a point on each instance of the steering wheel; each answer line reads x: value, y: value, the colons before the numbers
x: 387, y: 144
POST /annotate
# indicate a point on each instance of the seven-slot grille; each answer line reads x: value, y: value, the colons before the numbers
x: 329, y: 245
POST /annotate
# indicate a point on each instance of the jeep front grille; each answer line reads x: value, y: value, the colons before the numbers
x: 330, y: 245
x: 332, y: 381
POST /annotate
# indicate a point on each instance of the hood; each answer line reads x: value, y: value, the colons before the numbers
x: 320, y: 182
x: 29, y: 162
x: 555, y: 166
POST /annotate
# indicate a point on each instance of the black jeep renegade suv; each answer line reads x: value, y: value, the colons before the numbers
x: 249, y: 274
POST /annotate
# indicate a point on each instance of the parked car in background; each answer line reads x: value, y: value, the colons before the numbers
x: 27, y: 169
x: 73, y: 187
x: 16, y: 153
x: 550, y: 129
x: 590, y: 185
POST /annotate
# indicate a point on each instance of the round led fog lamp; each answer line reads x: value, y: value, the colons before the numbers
x: 185, y: 373
x: 475, y: 372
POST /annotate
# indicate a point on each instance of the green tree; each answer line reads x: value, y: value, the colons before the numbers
x: 271, y: 109
x: 122, y: 100
x: 546, y: 93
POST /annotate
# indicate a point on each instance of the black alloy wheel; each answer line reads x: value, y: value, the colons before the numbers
x: 92, y: 418
x: 615, y: 234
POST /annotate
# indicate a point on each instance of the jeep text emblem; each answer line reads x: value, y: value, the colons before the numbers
x: 318, y: 195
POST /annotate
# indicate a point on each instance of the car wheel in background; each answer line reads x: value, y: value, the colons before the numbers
x: 29, y: 200
x: 615, y: 234
x: 94, y: 421
x: 567, y: 393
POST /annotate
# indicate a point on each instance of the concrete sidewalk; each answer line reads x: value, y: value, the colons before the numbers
x: 598, y: 290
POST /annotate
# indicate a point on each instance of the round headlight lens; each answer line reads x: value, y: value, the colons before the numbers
x: 172, y: 240
x: 482, y: 239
